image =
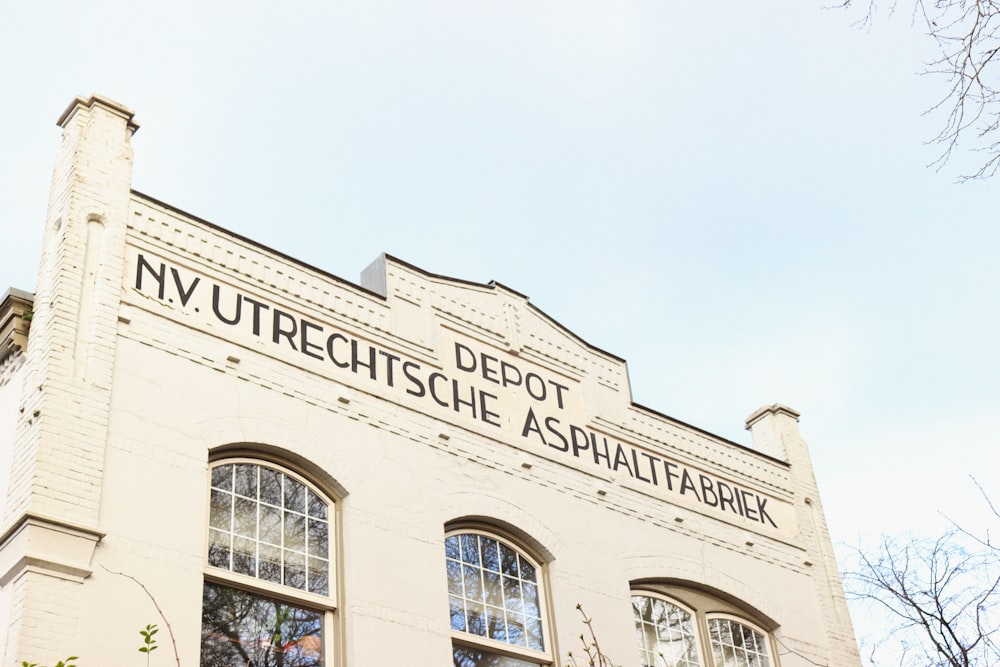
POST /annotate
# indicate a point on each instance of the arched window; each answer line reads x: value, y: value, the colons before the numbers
x: 267, y: 598
x: 678, y: 627
x: 734, y: 642
x: 666, y: 632
x: 496, y: 597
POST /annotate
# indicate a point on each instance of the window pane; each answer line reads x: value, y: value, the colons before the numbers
x: 221, y: 510
x: 495, y: 624
x: 295, y: 570
x: 665, y: 633
x: 222, y: 477
x: 270, y: 525
x: 491, y: 557
x: 239, y: 629
x: 451, y: 548
x: 270, y: 486
x: 476, y: 618
x: 251, y: 534
x: 295, y: 495
x: 533, y: 633
x: 515, y: 630
x: 469, y: 657
x: 512, y: 594
x: 508, y: 558
x: 493, y: 593
x: 470, y: 549
x: 736, y: 644
x: 527, y: 569
x: 244, y: 557
x: 245, y: 518
x: 319, y: 539
x: 529, y: 598
x: 473, y: 584
x: 269, y: 563
x: 317, y: 508
x: 457, y: 613
x: 319, y: 576
x: 246, y: 480
x: 218, y: 549
x: 295, y: 531
x: 455, y: 586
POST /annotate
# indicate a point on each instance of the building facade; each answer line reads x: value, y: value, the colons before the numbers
x: 277, y: 466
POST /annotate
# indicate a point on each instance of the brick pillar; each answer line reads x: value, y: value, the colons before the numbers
x: 775, y: 431
x: 51, y: 515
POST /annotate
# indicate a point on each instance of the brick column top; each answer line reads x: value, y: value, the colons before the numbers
x: 99, y: 100
x: 775, y: 409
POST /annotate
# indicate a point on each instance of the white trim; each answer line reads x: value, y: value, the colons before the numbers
x: 695, y: 626
x: 468, y: 639
x: 326, y: 605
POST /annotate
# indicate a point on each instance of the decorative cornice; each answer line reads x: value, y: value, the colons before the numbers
x: 99, y: 100
x: 38, y: 543
x: 773, y: 409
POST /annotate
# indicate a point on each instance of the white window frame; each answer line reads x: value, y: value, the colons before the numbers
x: 324, y: 604
x: 695, y: 626
x: 704, y: 607
x: 739, y: 620
x: 462, y: 638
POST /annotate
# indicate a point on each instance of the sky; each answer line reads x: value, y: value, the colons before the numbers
x: 734, y: 197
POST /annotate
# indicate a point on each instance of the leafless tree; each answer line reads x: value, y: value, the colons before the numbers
x: 943, y: 596
x: 967, y: 36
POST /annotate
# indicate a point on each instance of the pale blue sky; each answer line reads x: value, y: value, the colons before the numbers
x: 732, y: 196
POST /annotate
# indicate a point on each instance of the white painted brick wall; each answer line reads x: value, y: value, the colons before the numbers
x: 134, y: 394
x: 776, y: 429
x: 58, y: 459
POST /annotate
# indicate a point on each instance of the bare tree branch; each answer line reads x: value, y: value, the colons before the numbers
x: 943, y: 594
x: 967, y: 36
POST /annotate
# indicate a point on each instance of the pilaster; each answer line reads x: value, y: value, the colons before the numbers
x: 775, y: 431
x: 58, y: 464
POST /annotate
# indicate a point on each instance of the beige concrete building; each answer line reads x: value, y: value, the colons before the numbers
x: 281, y: 467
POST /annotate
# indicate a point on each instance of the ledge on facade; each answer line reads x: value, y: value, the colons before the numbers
x: 776, y: 409
x: 15, y: 320
x: 49, y: 546
x: 99, y: 100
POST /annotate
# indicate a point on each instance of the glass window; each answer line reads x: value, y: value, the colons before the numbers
x: 268, y: 541
x: 243, y: 628
x: 495, y: 602
x: 672, y: 634
x: 666, y: 633
x: 737, y: 644
x: 268, y: 525
x: 470, y: 657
